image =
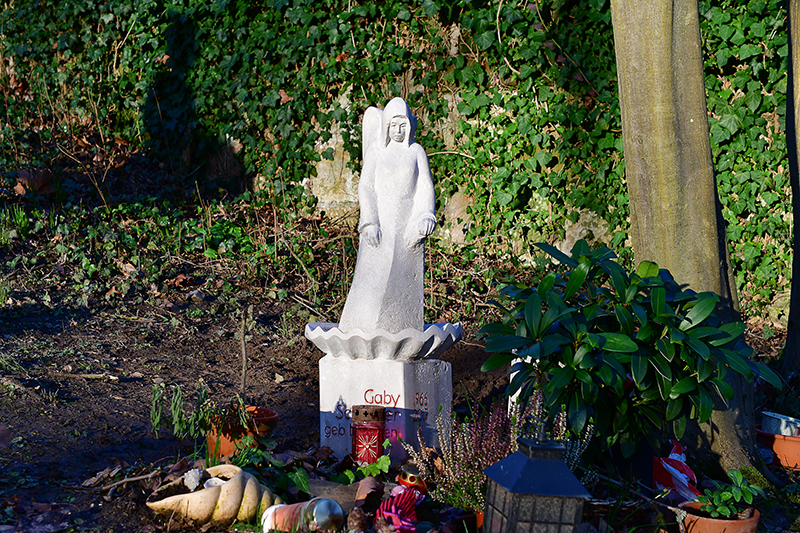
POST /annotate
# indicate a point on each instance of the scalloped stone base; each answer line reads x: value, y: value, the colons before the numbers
x: 406, y: 345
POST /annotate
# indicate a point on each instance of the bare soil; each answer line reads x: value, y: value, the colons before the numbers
x: 75, y: 399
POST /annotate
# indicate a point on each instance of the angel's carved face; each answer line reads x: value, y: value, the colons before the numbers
x: 397, y: 128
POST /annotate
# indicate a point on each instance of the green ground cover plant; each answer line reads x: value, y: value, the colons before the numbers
x: 151, y: 115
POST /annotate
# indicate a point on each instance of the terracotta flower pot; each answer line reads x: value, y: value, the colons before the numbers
x: 701, y: 524
x: 227, y: 431
x: 785, y: 448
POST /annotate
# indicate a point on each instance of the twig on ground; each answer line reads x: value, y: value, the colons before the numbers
x: 127, y: 480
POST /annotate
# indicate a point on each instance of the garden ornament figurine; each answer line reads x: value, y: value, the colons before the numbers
x: 383, y: 314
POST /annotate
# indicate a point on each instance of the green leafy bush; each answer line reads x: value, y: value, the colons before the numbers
x: 631, y: 350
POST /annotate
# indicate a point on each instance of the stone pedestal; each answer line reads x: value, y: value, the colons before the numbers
x: 411, y: 392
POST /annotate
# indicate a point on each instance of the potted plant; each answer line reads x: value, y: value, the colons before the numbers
x: 631, y: 350
x: 726, y: 507
x: 230, y: 427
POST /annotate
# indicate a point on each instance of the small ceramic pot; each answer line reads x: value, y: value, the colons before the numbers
x: 779, y: 424
x: 227, y: 431
x: 701, y: 524
x: 786, y: 449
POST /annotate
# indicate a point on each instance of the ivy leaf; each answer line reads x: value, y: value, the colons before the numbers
x: 738, y: 38
x: 730, y: 122
x: 503, y: 197
x: 526, y: 70
x: 725, y: 32
x: 753, y: 100
x: 430, y: 7
x: 544, y: 159
x: 300, y: 478
x: 722, y: 55
x: 537, y: 36
x: 748, y: 50
x: 719, y: 133
x: 485, y: 40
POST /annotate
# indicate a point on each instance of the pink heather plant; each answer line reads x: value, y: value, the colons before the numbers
x: 470, y: 446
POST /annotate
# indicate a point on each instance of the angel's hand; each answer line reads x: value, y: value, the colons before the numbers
x: 372, y: 234
x: 426, y: 226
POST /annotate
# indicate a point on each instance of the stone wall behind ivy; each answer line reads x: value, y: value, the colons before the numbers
x: 517, y: 104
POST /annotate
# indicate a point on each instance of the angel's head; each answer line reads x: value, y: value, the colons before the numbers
x: 398, y: 123
x: 398, y: 128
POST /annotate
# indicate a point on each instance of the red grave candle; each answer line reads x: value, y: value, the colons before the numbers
x: 367, y: 427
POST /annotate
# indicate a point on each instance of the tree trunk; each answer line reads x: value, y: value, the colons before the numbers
x: 791, y: 355
x: 676, y: 219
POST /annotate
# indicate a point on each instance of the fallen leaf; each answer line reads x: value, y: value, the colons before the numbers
x: 180, y: 281
x: 5, y: 436
x: 324, y: 453
x: 285, y: 98
x: 369, y: 487
x: 40, y: 182
x: 127, y: 269
x: 180, y: 468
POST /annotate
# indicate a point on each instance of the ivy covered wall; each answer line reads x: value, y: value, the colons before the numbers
x: 517, y: 103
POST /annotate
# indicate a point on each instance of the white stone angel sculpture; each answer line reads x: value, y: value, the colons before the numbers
x: 398, y: 212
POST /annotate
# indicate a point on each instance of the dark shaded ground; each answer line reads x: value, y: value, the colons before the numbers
x: 75, y: 393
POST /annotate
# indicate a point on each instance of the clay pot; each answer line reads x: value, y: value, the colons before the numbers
x: 237, y: 499
x: 701, y: 524
x: 227, y: 431
x: 785, y: 448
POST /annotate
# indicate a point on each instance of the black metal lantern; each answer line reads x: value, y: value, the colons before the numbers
x: 533, y: 490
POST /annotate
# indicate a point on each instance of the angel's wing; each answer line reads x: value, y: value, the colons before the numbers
x: 371, y: 128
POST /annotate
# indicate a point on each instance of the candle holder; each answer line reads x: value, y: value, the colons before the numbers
x: 367, y: 427
x: 532, y: 490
